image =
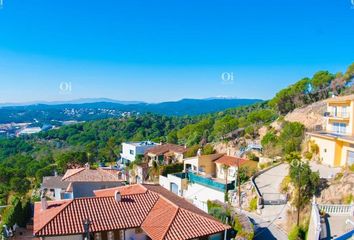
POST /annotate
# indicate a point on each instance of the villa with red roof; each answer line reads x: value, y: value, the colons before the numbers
x: 205, y: 177
x: 128, y: 212
x: 166, y: 153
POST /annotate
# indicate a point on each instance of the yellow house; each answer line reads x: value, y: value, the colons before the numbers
x: 336, y: 142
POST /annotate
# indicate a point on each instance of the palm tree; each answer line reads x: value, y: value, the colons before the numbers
x: 154, y: 170
x: 226, y: 173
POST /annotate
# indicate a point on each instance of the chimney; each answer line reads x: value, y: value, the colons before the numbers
x: 44, y: 203
x: 228, y: 152
x: 117, y: 196
x: 55, y: 173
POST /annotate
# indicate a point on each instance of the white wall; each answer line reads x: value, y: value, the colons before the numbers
x: 166, y: 183
x: 200, y: 195
x: 126, y: 151
x: 136, y: 148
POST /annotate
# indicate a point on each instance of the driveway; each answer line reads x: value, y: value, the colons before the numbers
x: 268, y: 184
x: 265, y: 229
x: 326, y: 172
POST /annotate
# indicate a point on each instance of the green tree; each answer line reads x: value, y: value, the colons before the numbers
x: 291, y: 137
x: 225, y: 125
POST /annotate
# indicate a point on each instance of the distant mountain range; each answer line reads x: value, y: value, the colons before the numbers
x: 98, y: 108
x: 76, y: 101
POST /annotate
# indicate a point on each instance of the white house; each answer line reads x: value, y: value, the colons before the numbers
x: 130, y: 150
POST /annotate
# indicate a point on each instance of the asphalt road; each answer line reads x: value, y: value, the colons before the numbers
x: 264, y: 229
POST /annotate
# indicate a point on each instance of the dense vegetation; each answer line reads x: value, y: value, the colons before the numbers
x: 309, y: 90
x: 24, y: 161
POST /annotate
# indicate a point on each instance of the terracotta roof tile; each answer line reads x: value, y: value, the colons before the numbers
x: 105, y: 214
x: 161, y: 216
x: 151, y: 207
x: 231, y: 161
x: 181, y: 227
x: 125, y: 190
x: 165, y: 148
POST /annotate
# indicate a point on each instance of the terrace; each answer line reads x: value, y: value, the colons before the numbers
x: 210, y: 182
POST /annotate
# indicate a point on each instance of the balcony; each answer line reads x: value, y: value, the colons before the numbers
x: 337, y: 115
x: 213, y: 183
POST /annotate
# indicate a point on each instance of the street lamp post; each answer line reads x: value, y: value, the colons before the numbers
x: 87, y: 224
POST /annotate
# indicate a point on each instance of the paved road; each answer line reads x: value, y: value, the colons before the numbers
x: 270, y: 181
x: 274, y: 215
x: 265, y: 229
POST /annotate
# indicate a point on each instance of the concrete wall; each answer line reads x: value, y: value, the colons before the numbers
x: 200, y: 195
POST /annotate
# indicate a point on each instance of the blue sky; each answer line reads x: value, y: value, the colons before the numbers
x: 160, y: 50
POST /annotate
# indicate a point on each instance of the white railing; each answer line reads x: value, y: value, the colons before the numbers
x: 315, y: 229
x: 336, y: 209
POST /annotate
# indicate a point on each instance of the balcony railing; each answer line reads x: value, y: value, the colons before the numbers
x: 337, y: 114
x: 208, y: 182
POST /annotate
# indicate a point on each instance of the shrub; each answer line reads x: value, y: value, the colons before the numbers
x: 253, y: 204
x: 348, y: 199
x: 308, y: 155
x: 351, y: 167
x: 252, y: 156
x: 171, y: 168
x: 297, y: 233
x: 208, y: 149
x: 284, y: 186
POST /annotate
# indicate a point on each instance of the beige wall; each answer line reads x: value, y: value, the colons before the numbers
x: 349, y: 121
x: 346, y: 147
x: 327, y: 150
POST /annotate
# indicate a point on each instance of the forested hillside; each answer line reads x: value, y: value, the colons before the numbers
x: 23, y: 161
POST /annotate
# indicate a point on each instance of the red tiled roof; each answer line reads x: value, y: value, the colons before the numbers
x: 90, y: 175
x: 105, y: 214
x: 161, y: 216
x: 124, y: 190
x: 151, y: 207
x: 162, y: 149
x: 189, y: 225
x: 231, y: 161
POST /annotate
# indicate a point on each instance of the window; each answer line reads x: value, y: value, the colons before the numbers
x: 131, y: 152
x: 350, y: 158
x: 339, y: 128
x: 344, y: 111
